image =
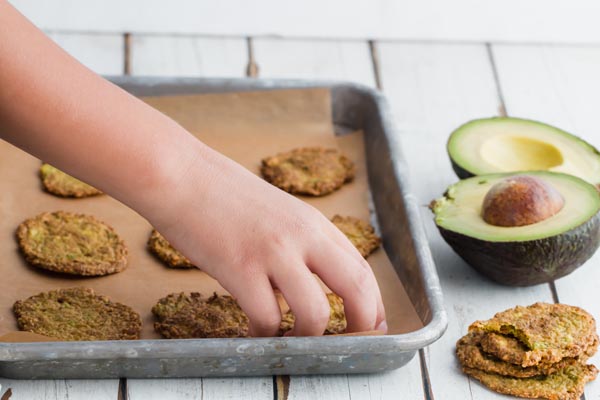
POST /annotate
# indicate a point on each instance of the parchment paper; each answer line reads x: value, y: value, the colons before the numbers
x: 243, y: 126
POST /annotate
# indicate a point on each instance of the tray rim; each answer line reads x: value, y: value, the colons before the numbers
x: 325, y: 345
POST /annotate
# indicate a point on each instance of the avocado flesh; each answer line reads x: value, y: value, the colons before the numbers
x: 524, y: 255
x: 507, y: 144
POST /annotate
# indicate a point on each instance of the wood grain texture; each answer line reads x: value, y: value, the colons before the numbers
x: 561, y: 86
x: 61, y: 389
x: 102, y: 53
x: 388, y: 385
x: 462, y: 20
x: 314, y: 59
x: 433, y: 88
x: 188, y: 56
x: 205, y: 389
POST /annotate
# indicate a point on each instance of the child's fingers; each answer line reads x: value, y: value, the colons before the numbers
x: 345, y: 243
x: 256, y: 297
x: 354, y: 282
x: 306, y: 299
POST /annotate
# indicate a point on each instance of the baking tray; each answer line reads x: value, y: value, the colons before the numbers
x: 354, y: 107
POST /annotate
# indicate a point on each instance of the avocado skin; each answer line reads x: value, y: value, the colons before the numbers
x: 459, y: 171
x: 529, y: 262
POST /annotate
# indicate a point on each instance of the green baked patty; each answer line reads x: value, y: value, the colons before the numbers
x: 471, y: 355
x: 361, y: 233
x: 180, y: 316
x: 313, y: 171
x: 64, y: 185
x: 77, y: 314
x: 546, y: 333
x: 71, y: 243
x: 566, y: 384
x: 161, y: 248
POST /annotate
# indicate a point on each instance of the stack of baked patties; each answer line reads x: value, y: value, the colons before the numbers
x: 539, y: 351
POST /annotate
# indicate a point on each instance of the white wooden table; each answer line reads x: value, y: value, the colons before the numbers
x: 433, y: 87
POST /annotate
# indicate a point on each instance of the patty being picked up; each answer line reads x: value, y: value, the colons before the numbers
x: 64, y: 185
x: 77, y: 314
x: 337, y: 317
x: 162, y: 249
x: 71, y: 243
x: 361, y: 233
x: 182, y: 316
x: 313, y: 171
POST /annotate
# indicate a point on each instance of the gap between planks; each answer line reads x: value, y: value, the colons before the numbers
x: 425, y: 379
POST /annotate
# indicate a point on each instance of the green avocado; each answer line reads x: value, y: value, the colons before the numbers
x: 504, y: 144
x: 521, y: 255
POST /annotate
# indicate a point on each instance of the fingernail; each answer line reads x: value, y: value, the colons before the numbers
x: 382, y: 326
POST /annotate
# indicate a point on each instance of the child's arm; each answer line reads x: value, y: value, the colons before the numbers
x: 244, y: 232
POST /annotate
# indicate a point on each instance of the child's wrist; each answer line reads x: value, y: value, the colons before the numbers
x: 161, y: 192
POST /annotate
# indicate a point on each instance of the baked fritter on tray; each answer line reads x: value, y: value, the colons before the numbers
x: 77, y: 314
x: 71, y: 243
x: 361, y: 233
x: 162, y: 249
x: 64, y: 185
x: 313, y: 171
x: 182, y: 316
x: 537, y: 351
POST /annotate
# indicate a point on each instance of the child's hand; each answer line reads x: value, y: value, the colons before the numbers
x: 244, y: 232
x: 252, y: 237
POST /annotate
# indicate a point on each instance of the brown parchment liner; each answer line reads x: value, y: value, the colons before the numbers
x: 244, y: 126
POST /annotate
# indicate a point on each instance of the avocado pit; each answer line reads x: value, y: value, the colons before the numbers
x: 520, y: 200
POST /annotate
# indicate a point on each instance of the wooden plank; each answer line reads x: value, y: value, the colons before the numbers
x: 462, y: 20
x: 433, y: 88
x: 61, y: 389
x: 389, y: 385
x: 205, y: 389
x: 238, y: 388
x: 559, y: 85
x: 188, y: 56
x: 340, y: 60
x: 319, y: 387
x: 314, y: 59
x: 102, y: 53
x: 159, y: 389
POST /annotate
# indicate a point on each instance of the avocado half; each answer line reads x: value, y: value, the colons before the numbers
x: 523, y: 255
x: 504, y: 144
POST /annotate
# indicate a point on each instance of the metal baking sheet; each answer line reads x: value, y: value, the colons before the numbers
x: 354, y: 107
